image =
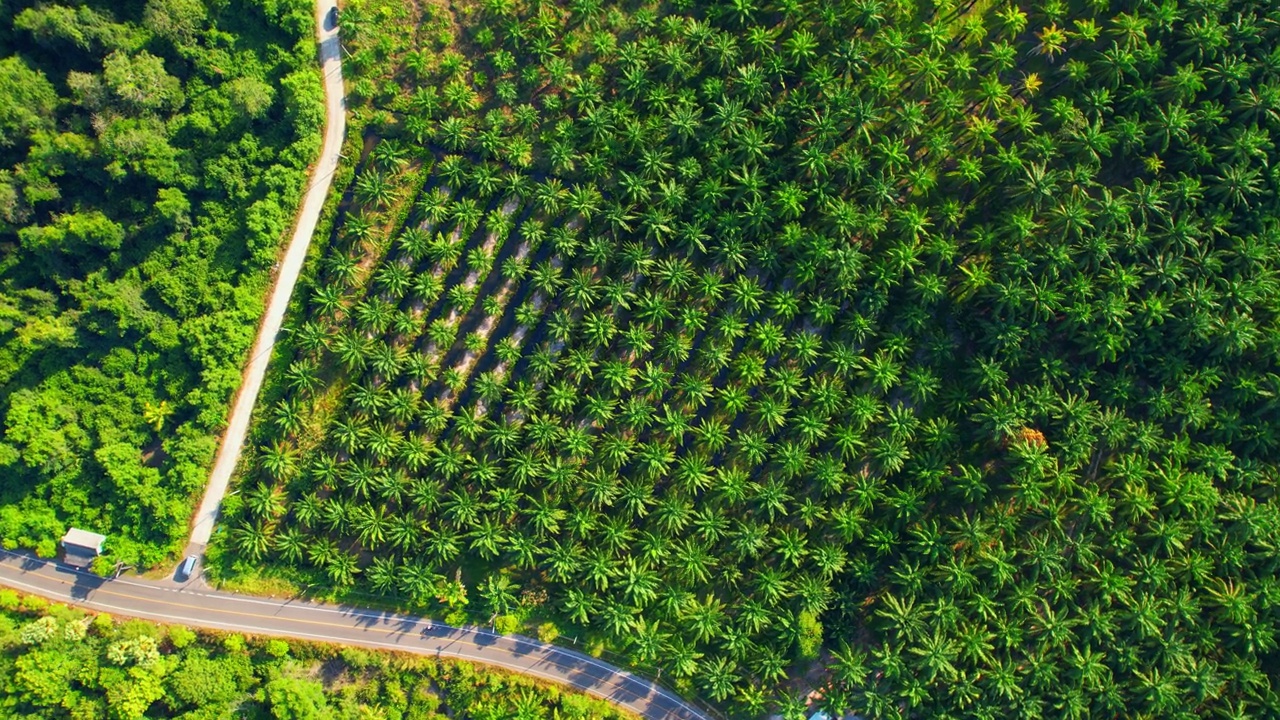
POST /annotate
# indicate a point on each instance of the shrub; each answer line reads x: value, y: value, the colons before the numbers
x: 548, y: 632
x: 180, y: 636
x: 506, y: 624
x: 103, y: 625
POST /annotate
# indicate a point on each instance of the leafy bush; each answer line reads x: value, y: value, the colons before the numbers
x: 52, y: 669
x: 148, y: 170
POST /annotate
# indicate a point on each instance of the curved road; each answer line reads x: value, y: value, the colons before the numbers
x: 169, y: 602
x: 193, y: 605
x: 165, y: 602
x: 313, y: 201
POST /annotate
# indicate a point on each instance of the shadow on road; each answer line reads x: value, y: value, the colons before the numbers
x: 85, y: 582
x: 405, y: 625
x: 329, y: 49
x: 623, y: 688
x: 367, y: 619
x: 583, y: 676
x: 394, y: 624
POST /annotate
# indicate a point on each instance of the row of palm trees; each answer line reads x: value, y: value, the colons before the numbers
x: 928, y: 351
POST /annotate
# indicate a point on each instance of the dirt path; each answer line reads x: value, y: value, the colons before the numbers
x: 289, y: 269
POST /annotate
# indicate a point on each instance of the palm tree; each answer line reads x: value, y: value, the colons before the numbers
x: 390, y: 154
x: 288, y: 416
x: 280, y: 460
x: 719, y: 678
x: 487, y: 538
x: 498, y: 592
x: 394, y: 278
x: 443, y: 545
x: 372, y: 525
x: 358, y: 477
x: 303, y: 375
x: 348, y: 434
x: 681, y: 658
x: 382, y: 574
x: 647, y: 640
x: 373, y: 315
x: 328, y: 299
x: 265, y: 501
x: 306, y: 510
x: 386, y: 359
x: 417, y: 580
x: 433, y: 207
x: 290, y: 544
x: 342, y: 568
x: 351, y: 349
x: 374, y: 189
x: 310, y: 337
x: 404, y: 533
x: 252, y: 540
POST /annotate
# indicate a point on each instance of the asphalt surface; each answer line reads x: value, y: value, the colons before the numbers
x: 168, y: 603
x: 196, y: 606
x: 290, y: 266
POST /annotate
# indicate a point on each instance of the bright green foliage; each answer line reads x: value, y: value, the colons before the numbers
x: 151, y: 156
x: 923, y: 353
x: 296, y: 699
x: 28, y: 102
x: 63, y: 666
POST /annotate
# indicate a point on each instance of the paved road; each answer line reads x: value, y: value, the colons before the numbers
x: 251, y: 383
x: 164, y: 602
x: 192, y: 605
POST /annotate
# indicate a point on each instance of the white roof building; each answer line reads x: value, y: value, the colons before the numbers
x: 82, y: 546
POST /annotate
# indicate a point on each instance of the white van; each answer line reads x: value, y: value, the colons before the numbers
x: 188, y: 567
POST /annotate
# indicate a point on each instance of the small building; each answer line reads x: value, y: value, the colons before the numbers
x: 80, y: 547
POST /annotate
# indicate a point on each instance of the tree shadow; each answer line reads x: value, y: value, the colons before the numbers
x: 330, y: 48
x: 522, y: 646
x: 84, y: 582
x: 394, y: 624
x: 31, y: 563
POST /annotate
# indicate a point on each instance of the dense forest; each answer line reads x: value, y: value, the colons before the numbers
x: 57, y: 662
x: 916, y: 359
x: 152, y: 155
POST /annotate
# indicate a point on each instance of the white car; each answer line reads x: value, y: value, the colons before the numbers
x: 188, y: 567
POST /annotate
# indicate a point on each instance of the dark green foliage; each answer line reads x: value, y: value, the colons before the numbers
x: 920, y: 354
x: 151, y: 157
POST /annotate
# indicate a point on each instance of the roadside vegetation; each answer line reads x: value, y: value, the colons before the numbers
x: 911, y: 359
x: 57, y: 662
x: 152, y: 155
